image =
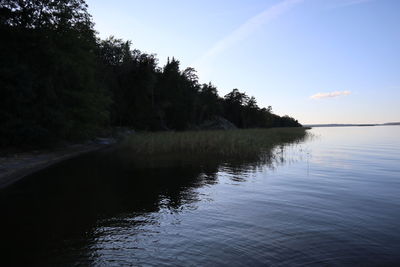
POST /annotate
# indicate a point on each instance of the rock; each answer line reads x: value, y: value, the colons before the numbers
x: 217, y: 123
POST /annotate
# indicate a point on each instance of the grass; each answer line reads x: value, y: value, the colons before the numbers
x: 222, y: 144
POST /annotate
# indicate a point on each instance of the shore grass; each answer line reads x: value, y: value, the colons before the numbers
x: 231, y: 143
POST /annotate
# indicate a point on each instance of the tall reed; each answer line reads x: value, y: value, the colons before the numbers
x: 232, y: 143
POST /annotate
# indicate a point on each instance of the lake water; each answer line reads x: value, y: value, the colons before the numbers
x: 333, y: 199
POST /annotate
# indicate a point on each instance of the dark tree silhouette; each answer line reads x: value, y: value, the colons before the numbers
x: 59, y: 82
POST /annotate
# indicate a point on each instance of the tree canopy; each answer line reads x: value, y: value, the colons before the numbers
x: 58, y: 81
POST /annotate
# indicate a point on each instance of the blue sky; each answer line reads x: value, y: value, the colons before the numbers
x: 320, y: 61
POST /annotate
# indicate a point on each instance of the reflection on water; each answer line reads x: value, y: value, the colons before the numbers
x: 331, y: 200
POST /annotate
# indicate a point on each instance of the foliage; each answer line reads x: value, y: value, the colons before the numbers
x: 59, y: 82
x: 49, y: 80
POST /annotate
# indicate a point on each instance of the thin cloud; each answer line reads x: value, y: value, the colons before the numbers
x: 247, y: 28
x: 330, y: 95
x: 350, y: 3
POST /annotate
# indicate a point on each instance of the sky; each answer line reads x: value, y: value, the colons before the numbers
x: 320, y: 61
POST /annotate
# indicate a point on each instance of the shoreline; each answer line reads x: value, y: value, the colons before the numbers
x: 16, y: 167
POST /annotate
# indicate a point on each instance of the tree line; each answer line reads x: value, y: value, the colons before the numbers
x: 59, y: 81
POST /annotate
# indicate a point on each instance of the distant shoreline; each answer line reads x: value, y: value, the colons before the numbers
x: 352, y: 125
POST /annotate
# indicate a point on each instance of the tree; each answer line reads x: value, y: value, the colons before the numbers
x: 48, y: 14
x: 49, y: 87
x: 207, y: 103
x: 176, y: 94
x: 59, y: 82
x: 234, y: 103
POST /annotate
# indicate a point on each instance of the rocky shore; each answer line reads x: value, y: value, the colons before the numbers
x: 14, y: 167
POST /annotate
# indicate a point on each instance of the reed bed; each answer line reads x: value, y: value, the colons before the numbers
x: 232, y: 143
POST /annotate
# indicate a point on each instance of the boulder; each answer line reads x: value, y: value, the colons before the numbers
x: 217, y: 123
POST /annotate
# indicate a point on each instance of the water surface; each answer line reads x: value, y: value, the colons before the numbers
x: 331, y: 200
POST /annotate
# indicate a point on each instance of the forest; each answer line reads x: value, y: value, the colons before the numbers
x: 59, y: 81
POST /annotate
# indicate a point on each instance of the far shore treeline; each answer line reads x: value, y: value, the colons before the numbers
x: 59, y: 81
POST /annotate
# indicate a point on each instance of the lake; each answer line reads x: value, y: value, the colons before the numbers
x: 332, y: 199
